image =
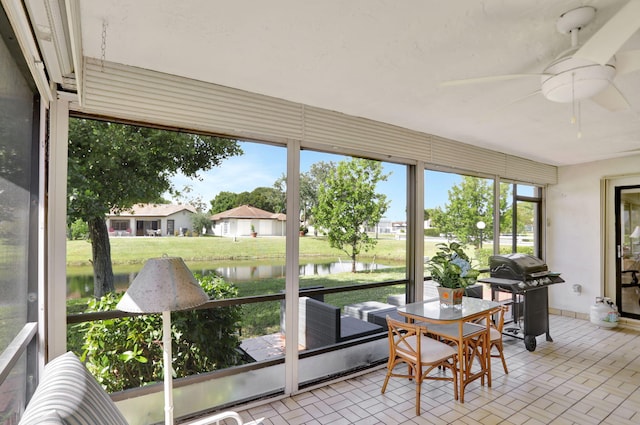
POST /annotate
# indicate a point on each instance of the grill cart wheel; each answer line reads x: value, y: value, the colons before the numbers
x: 530, y: 342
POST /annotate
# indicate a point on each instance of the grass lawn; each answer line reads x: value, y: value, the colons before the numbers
x: 135, y: 250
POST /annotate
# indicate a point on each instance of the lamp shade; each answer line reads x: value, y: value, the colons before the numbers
x: 636, y: 233
x: 163, y: 284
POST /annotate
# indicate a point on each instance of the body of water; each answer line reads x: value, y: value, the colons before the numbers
x: 80, y: 285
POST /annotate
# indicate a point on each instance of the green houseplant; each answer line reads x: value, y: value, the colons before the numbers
x: 451, y: 268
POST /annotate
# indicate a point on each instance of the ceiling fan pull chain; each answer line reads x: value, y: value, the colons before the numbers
x: 579, y: 135
x: 575, y: 104
x: 573, y: 98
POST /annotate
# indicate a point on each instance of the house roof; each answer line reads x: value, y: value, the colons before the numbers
x: 247, y: 211
x: 157, y: 210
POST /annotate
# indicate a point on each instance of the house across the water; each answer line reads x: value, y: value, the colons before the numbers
x: 245, y: 220
x: 152, y: 220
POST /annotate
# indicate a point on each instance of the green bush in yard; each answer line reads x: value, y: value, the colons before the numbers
x: 79, y: 229
x: 126, y: 353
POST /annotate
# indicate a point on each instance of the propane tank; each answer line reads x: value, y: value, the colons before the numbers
x: 604, y: 313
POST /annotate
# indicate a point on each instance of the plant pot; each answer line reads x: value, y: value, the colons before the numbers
x: 254, y: 234
x: 450, y: 297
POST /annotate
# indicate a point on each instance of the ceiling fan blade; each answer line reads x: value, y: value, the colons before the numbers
x: 611, y: 99
x: 613, y: 34
x: 490, y: 114
x: 628, y: 61
x: 488, y: 79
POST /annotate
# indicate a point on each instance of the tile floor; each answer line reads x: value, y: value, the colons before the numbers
x: 586, y: 376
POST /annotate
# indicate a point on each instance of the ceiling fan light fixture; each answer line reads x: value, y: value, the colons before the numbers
x: 572, y: 79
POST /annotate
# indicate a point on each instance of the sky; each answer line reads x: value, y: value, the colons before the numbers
x: 262, y: 165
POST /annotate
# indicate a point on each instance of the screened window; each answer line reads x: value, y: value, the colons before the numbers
x: 520, y: 227
x: 18, y: 203
x: 353, y: 233
x: 458, y: 208
x: 227, y: 223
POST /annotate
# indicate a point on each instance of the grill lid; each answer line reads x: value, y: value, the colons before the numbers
x: 517, y: 266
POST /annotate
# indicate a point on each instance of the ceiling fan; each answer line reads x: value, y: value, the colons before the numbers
x: 586, y: 71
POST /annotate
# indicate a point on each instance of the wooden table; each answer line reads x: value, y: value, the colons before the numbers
x: 454, y: 324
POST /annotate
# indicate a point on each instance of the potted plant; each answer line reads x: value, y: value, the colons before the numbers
x: 451, y: 268
x: 303, y: 230
x: 253, y: 231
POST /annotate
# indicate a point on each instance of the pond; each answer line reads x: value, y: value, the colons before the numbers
x: 80, y: 280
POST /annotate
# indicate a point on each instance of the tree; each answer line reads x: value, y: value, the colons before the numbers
x: 223, y: 201
x: 114, y: 166
x: 470, y: 202
x: 199, y: 221
x: 526, y: 216
x: 185, y: 197
x: 347, y: 202
x: 310, y: 182
x: 266, y: 198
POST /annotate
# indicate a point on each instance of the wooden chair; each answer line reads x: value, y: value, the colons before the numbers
x: 496, y: 337
x: 409, y: 344
x: 495, y: 341
x: 471, y: 341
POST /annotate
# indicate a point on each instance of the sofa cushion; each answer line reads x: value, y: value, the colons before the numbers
x: 68, y: 390
x: 352, y: 328
x: 380, y: 317
x: 363, y: 309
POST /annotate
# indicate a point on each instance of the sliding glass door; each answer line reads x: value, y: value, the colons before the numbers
x: 627, y: 217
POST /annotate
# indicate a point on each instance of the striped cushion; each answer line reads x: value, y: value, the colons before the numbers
x: 69, y: 391
x: 50, y: 418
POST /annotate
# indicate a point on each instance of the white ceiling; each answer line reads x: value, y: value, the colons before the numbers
x: 383, y: 60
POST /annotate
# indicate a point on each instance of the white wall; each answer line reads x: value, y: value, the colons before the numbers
x: 182, y: 219
x: 573, y: 228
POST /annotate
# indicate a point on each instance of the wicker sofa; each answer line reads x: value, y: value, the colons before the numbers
x: 321, y: 324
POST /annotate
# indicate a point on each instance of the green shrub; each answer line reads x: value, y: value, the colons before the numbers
x: 432, y: 232
x: 126, y: 353
x: 79, y: 229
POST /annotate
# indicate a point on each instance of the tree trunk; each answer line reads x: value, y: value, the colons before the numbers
x: 353, y: 263
x: 101, y: 251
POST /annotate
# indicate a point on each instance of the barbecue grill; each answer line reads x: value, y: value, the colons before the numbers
x: 526, y: 278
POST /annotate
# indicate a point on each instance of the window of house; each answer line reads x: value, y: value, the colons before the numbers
x: 120, y: 225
